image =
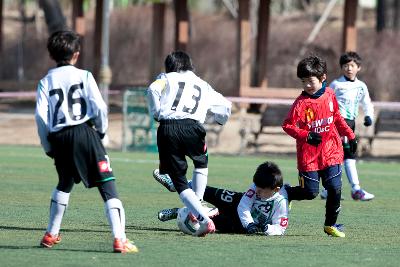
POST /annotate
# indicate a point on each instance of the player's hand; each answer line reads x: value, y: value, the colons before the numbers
x: 367, y: 121
x: 314, y: 138
x: 50, y: 154
x: 251, y: 229
x: 353, y: 145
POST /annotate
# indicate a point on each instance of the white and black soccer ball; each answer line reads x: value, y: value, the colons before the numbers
x: 185, y: 224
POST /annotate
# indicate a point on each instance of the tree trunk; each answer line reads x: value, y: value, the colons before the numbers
x: 55, y: 19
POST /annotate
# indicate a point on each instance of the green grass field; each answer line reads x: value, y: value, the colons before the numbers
x: 27, y: 178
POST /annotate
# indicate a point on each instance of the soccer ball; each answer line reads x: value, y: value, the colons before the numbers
x: 185, y: 224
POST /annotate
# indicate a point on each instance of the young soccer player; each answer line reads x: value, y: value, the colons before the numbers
x: 350, y: 93
x: 180, y: 100
x: 71, y: 117
x: 315, y: 122
x: 263, y: 208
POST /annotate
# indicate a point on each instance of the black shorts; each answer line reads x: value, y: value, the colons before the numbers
x: 79, y: 155
x: 177, y: 139
x: 227, y: 221
x: 346, y: 147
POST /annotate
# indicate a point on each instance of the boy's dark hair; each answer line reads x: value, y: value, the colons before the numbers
x: 311, y: 66
x: 268, y: 175
x: 350, y: 56
x: 62, y: 45
x: 178, y: 61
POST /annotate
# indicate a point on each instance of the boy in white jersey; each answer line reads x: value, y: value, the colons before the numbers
x: 180, y: 100
x: 71, y: 117
x: 263, y: 208
x: 350, y: 93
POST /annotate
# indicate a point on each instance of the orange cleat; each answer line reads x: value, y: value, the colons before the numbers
x: 50, y: 240
x: 124, y: 247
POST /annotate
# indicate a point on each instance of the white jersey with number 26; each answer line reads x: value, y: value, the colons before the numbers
x: 68, y: 96
x: 184, y: 95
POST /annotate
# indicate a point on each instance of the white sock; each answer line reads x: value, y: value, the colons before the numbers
x: 199, y: 181
x: 116, y: 217
x: 193, y: 203
x: 351, y: 172
x: 58, y: 205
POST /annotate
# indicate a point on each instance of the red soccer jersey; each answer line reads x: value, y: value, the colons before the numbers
x: 320, y: 115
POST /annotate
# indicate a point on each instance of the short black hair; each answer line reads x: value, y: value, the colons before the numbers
x: 178, y: 61
x: 312, y: 65
x: 348, y: 57
x: 268, y: 175
x: 62, y: 45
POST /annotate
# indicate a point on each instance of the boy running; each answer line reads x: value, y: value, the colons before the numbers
x: 315, y: 122
x: 180, y: 100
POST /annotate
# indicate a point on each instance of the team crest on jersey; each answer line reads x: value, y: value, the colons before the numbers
x: 330, y: 106
x: 284, y: 222
x: 309, y: 114
x: 250, y: 193
x: 104, y: 166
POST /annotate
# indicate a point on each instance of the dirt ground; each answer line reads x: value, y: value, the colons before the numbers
x: 18, y: 127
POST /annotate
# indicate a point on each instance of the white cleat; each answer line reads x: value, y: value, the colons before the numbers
x: 361, y: 195
x: 164, y: 179
x: 324, y: 194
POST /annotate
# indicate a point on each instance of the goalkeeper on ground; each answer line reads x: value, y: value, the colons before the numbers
x: 263, y: 208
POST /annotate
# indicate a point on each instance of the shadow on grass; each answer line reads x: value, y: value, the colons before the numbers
x: 17, y: 228
x: 54, y: 249
x: 156, y: 229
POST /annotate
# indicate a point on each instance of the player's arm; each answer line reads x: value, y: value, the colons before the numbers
x: 99, y: 107
x: 290, y: 124
x: 154, y: 93
x: 244, y: 210
x: 219, y: 106
x: 42, y: 107
x: 367, y: 107
x: 280, y: 219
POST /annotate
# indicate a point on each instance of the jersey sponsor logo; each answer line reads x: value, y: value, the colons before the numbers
x: 250, y: 193
x: 321, y: 125
x: 284, y: 222
x: 309, y: 114
x: 104, y: 166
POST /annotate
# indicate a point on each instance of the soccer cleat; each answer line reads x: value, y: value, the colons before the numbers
x: 335, y: 230
x: 168, y: 214
x: 205, y: 228
x: 124, y: 247
x: 361, y: 195
x: 164, y: 179
x: 50, y: 240
x: 324, y: 194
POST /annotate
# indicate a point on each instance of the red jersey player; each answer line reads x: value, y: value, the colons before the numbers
x: 315, y: 122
